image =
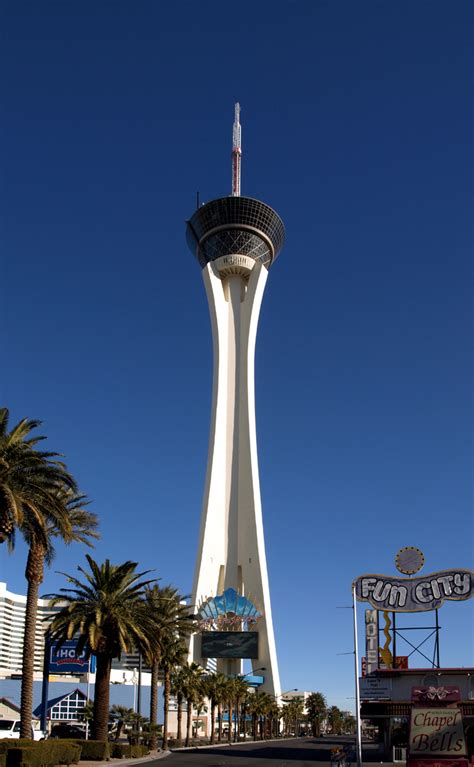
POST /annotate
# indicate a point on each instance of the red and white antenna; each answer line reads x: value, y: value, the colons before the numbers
x: 236, y: 152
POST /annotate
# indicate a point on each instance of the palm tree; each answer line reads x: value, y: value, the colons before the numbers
x: 316, y: 707
x: 169, y: 620
x: 213, y: 686
x: 174, y: 654
x: 81, y: 527
x: 222, y: 697
x: 335, y: 719
x: 106, y: 614
x: 240, y: 692
x: 29, y: 480
x: 258, y: 706
x: 192, y: 689
x: 177, y: 688
x: 120, y: 715
x: 35, y: 488
x: 273, y: 715
x: 292, y: 714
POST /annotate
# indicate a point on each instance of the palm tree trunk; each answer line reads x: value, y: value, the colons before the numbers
x: 179, y: 715
x: 219, y: 722
x: 189, y: 719
x: 34, y: 576
x: 213, y: 722
x: 154, y: 703
x: 237, y: 720
x: 229, y: 734
x: 166, y: 706
x: 254, y: 726
x: 101, y: 697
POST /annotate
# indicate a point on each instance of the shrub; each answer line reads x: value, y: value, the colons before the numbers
x: 6, y: 743
x: 94, y: 750
x: 3, y: 759
x: 60, y: 751
x: 122, y: 751
x: 43, y: 754
x: 25, y: 755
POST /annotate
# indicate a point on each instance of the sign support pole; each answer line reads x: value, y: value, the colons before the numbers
x: 45, y: 685
x: 356, y: 673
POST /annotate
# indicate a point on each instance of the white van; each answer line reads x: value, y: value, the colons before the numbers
x: 10, y: 728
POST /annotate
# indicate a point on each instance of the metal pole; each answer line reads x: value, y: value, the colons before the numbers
x: 356, y: 673
x: 139, y: 692
x: 88, y: 693
x: 437, y: 639
x: 45, y: 686
x: 394, y: 634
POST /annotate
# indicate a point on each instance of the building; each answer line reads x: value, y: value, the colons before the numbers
x: 386, y: 701
x: 12, y: 622
x: 235, y: 240
x: 12, y: 626
x: 9, y: 709
x: 64, y: 708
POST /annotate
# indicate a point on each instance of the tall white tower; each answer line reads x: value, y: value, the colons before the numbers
x: 235, y: 239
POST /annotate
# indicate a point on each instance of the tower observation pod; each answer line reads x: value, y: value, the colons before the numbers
x: 235, y: 240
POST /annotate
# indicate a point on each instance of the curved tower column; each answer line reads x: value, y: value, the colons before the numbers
x: 231, y: 548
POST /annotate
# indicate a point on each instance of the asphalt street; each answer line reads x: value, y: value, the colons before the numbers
x: 298, y: 752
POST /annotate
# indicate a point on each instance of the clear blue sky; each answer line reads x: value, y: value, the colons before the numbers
x: 357, y: 130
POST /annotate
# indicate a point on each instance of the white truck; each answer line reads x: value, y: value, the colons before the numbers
x: 10, y: 728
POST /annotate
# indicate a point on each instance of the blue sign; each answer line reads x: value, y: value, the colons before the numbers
x: 64, y: 659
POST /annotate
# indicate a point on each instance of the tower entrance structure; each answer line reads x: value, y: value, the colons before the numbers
x: 236, y: 240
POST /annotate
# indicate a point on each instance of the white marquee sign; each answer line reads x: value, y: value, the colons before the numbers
x: 428, y: 592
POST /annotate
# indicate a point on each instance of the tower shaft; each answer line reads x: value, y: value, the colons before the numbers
x: 231, y: 548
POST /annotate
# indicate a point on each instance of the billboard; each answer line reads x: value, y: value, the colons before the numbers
x: 436, y: 732
x: 64, y: 660
x: 229, y: 644
x: 404, y: 595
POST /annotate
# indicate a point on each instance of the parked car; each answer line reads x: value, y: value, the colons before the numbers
x: 65, y: 730
x: 10, y: 728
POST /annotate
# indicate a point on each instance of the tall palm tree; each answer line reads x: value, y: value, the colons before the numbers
x: 335, y: 719
x: 169, y: 620
x: 240, y: 692
x: 174, y: 654
x: 214, y: 686
x: 316, y: 706
x: 272, y: 715
x: 178, y: 681
x: 258, y: 705
x: 106, y: 614
x: 193, y: 692
x: 29, y: 480
x: 81, y: 527
x: 230, y: 696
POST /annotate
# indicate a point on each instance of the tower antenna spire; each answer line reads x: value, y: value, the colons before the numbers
x: 236, y: 152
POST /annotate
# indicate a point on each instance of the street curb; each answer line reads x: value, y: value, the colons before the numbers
x: 234, y: 745
x: 125, y: 762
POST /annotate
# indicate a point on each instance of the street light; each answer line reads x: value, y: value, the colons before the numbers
x: 250, y: 673
x: 281, y: 694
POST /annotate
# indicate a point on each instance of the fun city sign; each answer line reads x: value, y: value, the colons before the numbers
x: 404, y: 595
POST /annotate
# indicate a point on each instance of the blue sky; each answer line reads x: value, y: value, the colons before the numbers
x: 357, y: 129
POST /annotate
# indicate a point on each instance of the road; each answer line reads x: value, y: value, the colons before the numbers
x: 298, y: 752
